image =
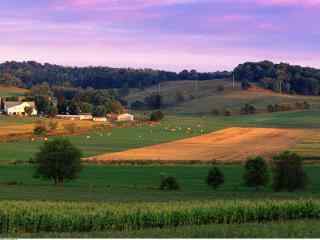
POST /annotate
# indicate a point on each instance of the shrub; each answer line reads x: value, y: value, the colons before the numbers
x: 248, y: 109
x: 256, y: 172
x: 288, y: 172
x: 306, y: 105
x: 58, y: 160
x: 220, y: 88
x: 215, y: 112
x: 215, y: 178
x: 156, y: 116
x: 227, y: 112
x: 40, y: 129
x: 169, y: 183
x: 270, y: 108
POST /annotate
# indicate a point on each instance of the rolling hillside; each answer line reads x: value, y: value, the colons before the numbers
x: 204, y: 96
x: 8, y: 91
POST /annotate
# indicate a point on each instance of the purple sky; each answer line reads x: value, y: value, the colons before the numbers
x: 206, y: 35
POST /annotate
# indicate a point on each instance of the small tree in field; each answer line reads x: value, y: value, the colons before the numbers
x: 256, y: 173
x: 169, y: 183
x: 288, y: 172
x: 58, y: 160
x: 215, y: 178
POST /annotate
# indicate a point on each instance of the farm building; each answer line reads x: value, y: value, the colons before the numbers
x: 125, y: 117
x: 20, y: 108
x: 100, y: 119
x: 76, y: 117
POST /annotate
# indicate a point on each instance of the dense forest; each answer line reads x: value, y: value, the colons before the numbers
x: 28, y: 74
x: 283, y: 78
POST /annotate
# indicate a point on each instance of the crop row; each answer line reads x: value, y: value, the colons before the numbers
x: 33, y: 217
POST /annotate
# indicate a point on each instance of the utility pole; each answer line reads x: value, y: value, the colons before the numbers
x: 233, y: 81
x: 196, y: 85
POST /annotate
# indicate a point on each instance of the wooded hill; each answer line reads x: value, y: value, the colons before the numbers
x: 283, y: 78
x: 27, y: 74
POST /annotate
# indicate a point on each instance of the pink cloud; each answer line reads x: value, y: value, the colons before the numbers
x: 304, y: 3
x: 120, y: 5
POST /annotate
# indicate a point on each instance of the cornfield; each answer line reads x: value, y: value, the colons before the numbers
x: 34, y: 217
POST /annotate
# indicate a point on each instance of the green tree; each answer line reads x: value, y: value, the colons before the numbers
x: 156, y: 116
x: 58, y: 160
x: 28, y: 110
x: 256, y: 172
x: 100, y: 111
x: 215, y: 178
x: 169, y: 183
x: 288, y: 172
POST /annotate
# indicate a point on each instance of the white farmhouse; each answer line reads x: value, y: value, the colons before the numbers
x: 19, y: 108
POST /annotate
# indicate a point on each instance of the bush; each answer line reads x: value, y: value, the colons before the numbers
x: 248, y: 109
x: 40, y: 129
x: 220, y: 88
x: 256, y: 172
x: 58, y: 160
x: 227, y: 112
x: 270, y: 108
x: 156, y: 116
x: 215, y: 178
x: 169, y: 183
x: 306, y: 105
x: 215, y: 112
x: 288, y: 172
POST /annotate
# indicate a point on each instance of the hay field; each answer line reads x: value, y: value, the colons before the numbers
x: 229, y: 145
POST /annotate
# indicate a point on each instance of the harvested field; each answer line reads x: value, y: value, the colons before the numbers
x: 14, y: 131
x: 229, y: 145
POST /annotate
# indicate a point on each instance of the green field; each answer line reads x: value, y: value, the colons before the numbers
x: 8, y: 91
x: 118, y: 139
x: 205, y: 97
x: 139, y: 183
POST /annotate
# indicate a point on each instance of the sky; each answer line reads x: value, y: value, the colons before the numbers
x: 206, y: 35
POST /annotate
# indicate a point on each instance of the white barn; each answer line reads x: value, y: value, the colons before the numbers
x: 19, y: 108
x: 125, y: 117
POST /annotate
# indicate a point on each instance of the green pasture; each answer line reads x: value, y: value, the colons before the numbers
x: 118, y: 139
x: 140, y: 183
x: 201, y: 97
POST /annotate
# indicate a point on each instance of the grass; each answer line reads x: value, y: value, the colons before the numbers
x: 206, y: 97
x: 119, y: 139
x: 139, y: 183
x: 279, y: 229
x: 8, y: 91
x: 11, y: 120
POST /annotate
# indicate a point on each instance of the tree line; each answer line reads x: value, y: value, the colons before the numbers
x: 30, y: 73
x: 282, y: 78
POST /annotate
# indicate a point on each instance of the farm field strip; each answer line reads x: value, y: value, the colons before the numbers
x: 121, y: 139
x: 77, y: 217
x: 228, y: 145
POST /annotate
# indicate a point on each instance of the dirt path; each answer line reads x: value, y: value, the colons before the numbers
x: 229, y: 145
